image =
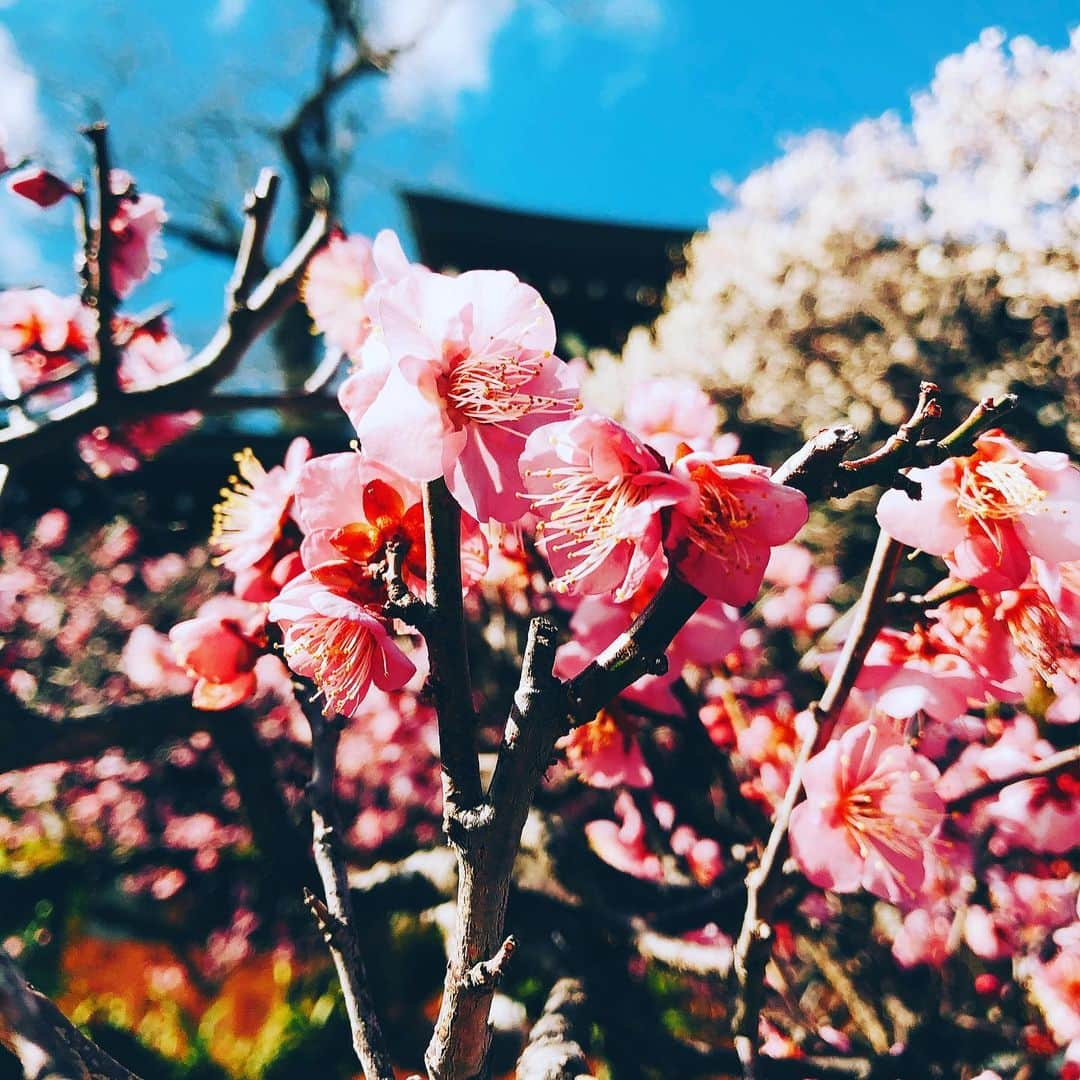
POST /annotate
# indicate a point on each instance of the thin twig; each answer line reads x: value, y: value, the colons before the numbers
x: 334, y: 917
x: 1048, y: 767
x: 101, y: 295
x: 753, y: 944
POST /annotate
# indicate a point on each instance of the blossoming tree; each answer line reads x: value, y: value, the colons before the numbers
x: 914, y: 777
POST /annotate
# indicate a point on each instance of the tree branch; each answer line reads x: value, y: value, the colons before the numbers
x: 187, y: 386
x: 554, y: 1049
x: 753, y: 945
x: 448, y: 656
x: 486, y: 854
x: 1048, y: 767
x: 47, y: 1045
x: 99, y: 259
x: 334, y: 918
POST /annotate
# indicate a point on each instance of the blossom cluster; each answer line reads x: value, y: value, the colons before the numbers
x: 858, y: 263
x: 454, y: 381
x: 47, y: 342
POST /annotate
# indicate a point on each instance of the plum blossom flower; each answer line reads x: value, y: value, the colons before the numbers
x: 336, y: 291
x: 870, y: 810
x: 463, y: 372
x: 605, y: 752
x: 940, y: 667
x: 721, y: 533
x: 987, y: 514
x: 623, y: 844
x: 800, y: 590
x: 666, y: 412
x: 1055, y: 986
x: 351, y: 507
x: 600, y: 492
x: 334, y: 637
x: 219, y: 649
x: 147, y: 661
x: 136, y: 233
x: 150, y: 352
x: 39, y: 186
x: 255, y: 508
x: 42, y: 332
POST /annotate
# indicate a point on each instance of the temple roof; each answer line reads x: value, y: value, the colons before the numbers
x: 600, y: 278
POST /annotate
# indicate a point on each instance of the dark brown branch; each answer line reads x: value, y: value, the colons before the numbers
x: 186, y: 387
x: 45, y: 1043
x: 401, y: 603
x: 223, y: 242
x: 1048, y: 767
x: 819, y: 470
x: 99, y: 259
x: 639, y: 651
x: 448, y: 655
x: 486, y: 854
x: 28, y: 737
x: 899, y: 451
x: 812, y: 468
x: 334, y: 917
x: 554, y: 1050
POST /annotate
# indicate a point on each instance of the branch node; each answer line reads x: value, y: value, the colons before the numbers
x: 486, y: 974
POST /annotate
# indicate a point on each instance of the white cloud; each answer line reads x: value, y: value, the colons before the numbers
x: 636, y: 16
x: 446, y: 48
x: 21, y: 127
x: 227, y: 13
x: 20, y: 122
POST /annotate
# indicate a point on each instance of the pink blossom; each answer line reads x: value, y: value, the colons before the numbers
x: 39, y: 186
x: 987, y: 514
x: 335, y: 638
x: 667, y: 412
x: 150, y: 353
x: 722, y: 531
x: 800, y: 590
x: 249, y: 520
x: 931, y: 670
x: 336, y: 291
x: 600, y: 492
x: 43, y: 332
x: 1040, y: 814
x: 219, y: 649
x: 870, y: 809
x: 147, y: 661
x: 1055, y: 987
x: 114, y: 452
x: 465, y: 373
x: 136, y: 234
x: 51, y: 529
x: 605, y: 753
x: 623, y: 845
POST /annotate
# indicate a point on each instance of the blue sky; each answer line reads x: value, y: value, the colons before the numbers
x: 616, y: 109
